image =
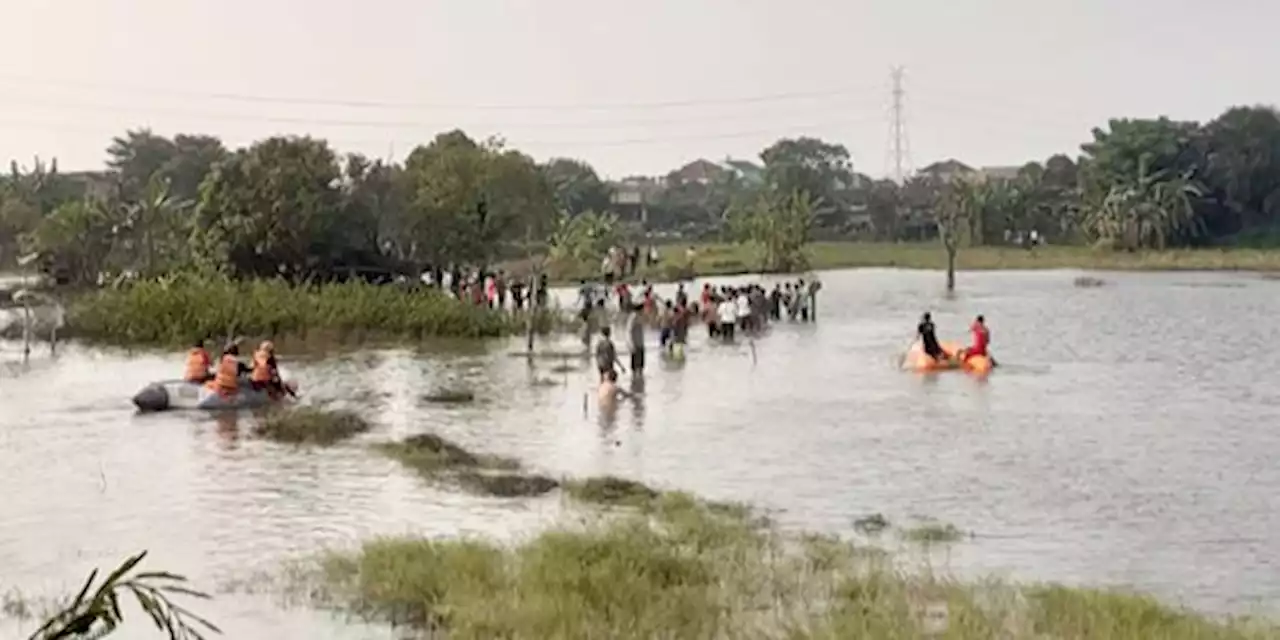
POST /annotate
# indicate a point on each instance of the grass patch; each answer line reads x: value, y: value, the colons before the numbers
x: 450, y: 396
x: 174, y: 311
x: 687, y: 570
x: 933, y: 533
x: 871, y: 525
x: 439, y: 460
x: 310, y: 426
x: 720, y: 259
x: 612, y: 491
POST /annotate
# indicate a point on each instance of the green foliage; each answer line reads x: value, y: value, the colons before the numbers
x: 778, y: 228
x: 139, y: 157
x: 311, y: 426
x: 820, y: 169
x: 681, y: 568
x: 466, y: 198
x: 584, y: 238
x: 173, y: 311
x: 289, y: 206
x: 76, y: 240
x: 96, y: 612
x: 576, y: 186
x: 272, y: 209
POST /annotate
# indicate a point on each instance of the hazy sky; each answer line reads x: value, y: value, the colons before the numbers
x: 632, y: 87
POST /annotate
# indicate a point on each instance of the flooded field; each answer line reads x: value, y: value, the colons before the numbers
x: 1129, y: 439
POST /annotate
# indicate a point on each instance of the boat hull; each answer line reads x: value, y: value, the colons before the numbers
x: 171, y: 395
x: 918, y: 360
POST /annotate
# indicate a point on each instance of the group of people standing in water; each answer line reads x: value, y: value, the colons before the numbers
x: 726, y: 312
x: 264, y: 374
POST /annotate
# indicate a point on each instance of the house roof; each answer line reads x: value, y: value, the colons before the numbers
x: 950, y: 165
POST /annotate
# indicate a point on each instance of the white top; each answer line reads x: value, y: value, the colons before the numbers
x: 728, y: 312
x: 744, y: 306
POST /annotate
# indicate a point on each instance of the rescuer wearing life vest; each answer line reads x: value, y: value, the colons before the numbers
x: 226, y: 380
x: 197, y: 370
x: 981, y: 339
x: 266, y: 375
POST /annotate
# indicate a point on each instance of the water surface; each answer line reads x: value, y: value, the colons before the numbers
x: 1129, y: 440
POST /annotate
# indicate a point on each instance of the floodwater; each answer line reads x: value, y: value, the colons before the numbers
x: 1130, y: 439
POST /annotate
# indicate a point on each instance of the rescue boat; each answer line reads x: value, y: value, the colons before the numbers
x: 917, y: 360
x: 183, y: 395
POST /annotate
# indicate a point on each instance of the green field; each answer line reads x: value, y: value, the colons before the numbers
x: 722, y: 258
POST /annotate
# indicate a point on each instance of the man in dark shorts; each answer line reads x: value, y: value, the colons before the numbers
x: 929, y: 338
x: 606, y: 353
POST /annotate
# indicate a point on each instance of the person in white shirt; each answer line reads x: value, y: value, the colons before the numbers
x: 742, y: 305
x: 727, y: 310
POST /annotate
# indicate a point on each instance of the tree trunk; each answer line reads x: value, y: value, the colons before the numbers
x: 951, y: 267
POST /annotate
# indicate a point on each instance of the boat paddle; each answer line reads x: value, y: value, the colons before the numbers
x: 902, y: 359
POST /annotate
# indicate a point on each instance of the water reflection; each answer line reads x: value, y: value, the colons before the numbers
x: 1098, y: 455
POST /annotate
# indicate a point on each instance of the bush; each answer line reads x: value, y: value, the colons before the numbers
x: 174, y: 311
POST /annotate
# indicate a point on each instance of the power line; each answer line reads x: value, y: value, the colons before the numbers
x: 378, y: 104
x: 12, y: 99
x: 80, y: 127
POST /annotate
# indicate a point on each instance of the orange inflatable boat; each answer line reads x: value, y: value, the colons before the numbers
x: 917, y: 360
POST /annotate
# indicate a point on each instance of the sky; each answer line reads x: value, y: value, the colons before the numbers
x: 634, y: 88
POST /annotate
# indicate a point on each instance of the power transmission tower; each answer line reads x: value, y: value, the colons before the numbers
x: 900, y: 151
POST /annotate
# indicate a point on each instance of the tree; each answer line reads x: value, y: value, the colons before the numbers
x: 154, y: 228
x: 193, y: 158
x: 1242, y: 169
x: 75, y: 241
x: 583, y: 238
x: 1117, y: 154
x: 884, y: 203
x: 958, y: 202
x: 778, y: 226
x: 1147, y: 211
x: 812, y: 166
x: 577, y: 187
x: 373, y: 212
x: 465, y: 199
x: 272, y: 209
x: 137, y: 156
x: 140, y: 155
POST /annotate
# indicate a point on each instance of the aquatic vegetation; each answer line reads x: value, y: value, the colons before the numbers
x: 450, y: 396
x: 612, y: 491
x: 174, y: 311
x: 933, y: 532
x: 1088, y: 282
x: 873, y: 524
x: 310, y: 426
x: 439, y: 460
x: 680, y: 568
x: 95, y: 612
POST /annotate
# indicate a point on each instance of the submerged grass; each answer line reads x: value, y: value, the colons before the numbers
x: 667, y: 565
x: 174, y: 311
x: 679, y: 568
x: 310, y: 426
x: 438, y: 460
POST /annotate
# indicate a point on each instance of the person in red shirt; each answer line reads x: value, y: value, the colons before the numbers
x: 981, y: 338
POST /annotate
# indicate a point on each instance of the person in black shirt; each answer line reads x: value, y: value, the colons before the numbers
x: 929, y: 338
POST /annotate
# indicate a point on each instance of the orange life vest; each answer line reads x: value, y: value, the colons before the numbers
x: 262, y: 370
x: 197, y: 365
x: 227, y: 378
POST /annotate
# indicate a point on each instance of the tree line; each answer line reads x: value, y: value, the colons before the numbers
x: 295, y: 207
